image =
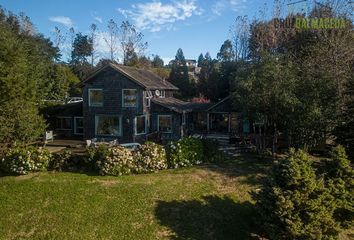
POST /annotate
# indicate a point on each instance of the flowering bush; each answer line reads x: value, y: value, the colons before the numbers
x: 151, y: 157
x: 61, y: 161
x: 115, y: 161
x: 185, y: 152
x: 22, y: 160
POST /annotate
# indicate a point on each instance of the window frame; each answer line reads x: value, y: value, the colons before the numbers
x: 158, y: 122
x: 61, y: 123
x: 89, y: 97
x: 75, y: 126
x: 136, y: 125
x: 108, y: 115
x: 136, y: 99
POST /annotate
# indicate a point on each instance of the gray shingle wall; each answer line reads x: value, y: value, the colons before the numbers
x: 112, y: 83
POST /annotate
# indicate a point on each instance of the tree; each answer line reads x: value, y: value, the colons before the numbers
x: 294, y: 203
x: 179, y: 75
x: 82, y: 49
x: 112, y: 38
x: 200, y: 60
x: 93, y: 37
x: 226, y: 53
x: 131, y: 42
x: 157, y: 62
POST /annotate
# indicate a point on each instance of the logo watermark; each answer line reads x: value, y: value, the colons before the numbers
x: 311, y: 23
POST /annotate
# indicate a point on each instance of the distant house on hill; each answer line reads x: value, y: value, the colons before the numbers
x: 129, y: 104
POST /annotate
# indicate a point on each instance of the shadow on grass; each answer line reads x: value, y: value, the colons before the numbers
x: 251, y: 166
x: 212, y: 217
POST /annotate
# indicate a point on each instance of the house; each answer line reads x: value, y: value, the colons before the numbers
x: 129, y: 104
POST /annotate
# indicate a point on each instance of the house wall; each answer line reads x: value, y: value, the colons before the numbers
x: 157, y: 110
x: 112, y: 83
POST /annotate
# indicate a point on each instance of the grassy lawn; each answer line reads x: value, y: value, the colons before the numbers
x: 209, y: 202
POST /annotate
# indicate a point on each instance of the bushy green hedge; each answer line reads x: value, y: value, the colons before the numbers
x: 151, y: 157
x: 22, y: 160
x: 185, y: 152
x: 211, y: 152
x: 297, y: 203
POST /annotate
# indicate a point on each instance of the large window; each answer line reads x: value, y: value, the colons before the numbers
x: 63, y: 123
x: 95, y: 97
x: 165, y: 123
x: 108, y: 125
x: 129, y: 97
x: 79, y: 125
x: 140, y: 125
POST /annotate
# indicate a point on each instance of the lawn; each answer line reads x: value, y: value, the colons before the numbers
x: 205, y: 202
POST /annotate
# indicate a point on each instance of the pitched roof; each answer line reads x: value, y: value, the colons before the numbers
x: 143, y: 77
x: 178, y: 105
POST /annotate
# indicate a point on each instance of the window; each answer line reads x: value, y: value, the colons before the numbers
x: 79, y: 125
x: 95, y: 97
x: 162, y: 94
x: 140, y: 125
x: 108, y: 125
x: 129, y: 97
x: 165, y: 123
x: 63, y: 123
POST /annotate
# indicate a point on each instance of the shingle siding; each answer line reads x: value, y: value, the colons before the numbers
x: 112, y: 83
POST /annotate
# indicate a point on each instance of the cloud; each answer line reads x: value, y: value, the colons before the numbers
x: 235, y: 5
x: 155, y: 16
x: 66, y: 21
x: 98, y: 19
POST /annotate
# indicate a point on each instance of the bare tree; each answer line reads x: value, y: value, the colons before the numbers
x: 59, y: 38
x: 131, y: 41
x: 240, y: 35
x: 93, y: 36
x: 111, y: 38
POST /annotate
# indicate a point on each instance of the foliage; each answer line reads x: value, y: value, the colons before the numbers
x: 179, y: 75
x: 82, y: 48
x: 340, y: 179
x: 211, y: 152
x: 185, y: 152
x: 22, y: 160
x: 67, y: 161
x: 117, y: 161
x: 151, y: 157
x: 294, y: 203
x: 26, y: 61
x: 157, y: 62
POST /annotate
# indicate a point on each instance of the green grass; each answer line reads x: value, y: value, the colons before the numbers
x: 207, y: 202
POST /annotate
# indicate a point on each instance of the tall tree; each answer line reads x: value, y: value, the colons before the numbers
x: 200, y: 60
x: 94, y: 39
x: 112, y: 38
x: 179, y: 75
x: 226, y: 53
x: 131, y: 42
x: 82, y: 50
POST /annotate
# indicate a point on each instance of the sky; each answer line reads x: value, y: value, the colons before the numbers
x: 196, y: 26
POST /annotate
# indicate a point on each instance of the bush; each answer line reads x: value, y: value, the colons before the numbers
x: 211, y: 151
x: 61, y: 161
x: 185, y: 152
x: 151, y: 157
x: 340, y: 179
x: 294, y: 203
x: 114, y: 161
x: 22, y: 160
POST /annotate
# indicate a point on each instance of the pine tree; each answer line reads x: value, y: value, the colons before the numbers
x: 294, y: 203
x: 179, y: 75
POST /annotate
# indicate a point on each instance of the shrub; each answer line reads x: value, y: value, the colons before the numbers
x: 211, y: 151
x: 22, y: 160
x: 294, y: 203
x: 185, y: 152
x: 340, y: 179
x: 114, y: 161
x: 151, y: 157
x: 61, y: 161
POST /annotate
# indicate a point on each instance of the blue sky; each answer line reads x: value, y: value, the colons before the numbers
x: 196, y: 26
